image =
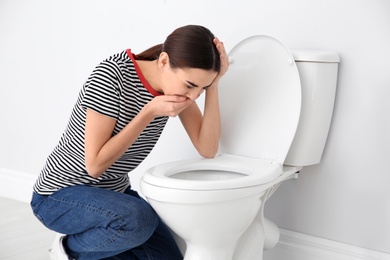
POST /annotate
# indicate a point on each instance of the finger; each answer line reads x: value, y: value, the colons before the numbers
x: 177, y: 108
x: 219, y: 45
x: 179, y: 102
x: 222, y: 51
x: 224, y: 58
x: 174, y: 98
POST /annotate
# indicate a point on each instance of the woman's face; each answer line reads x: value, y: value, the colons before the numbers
x: 187, y: 82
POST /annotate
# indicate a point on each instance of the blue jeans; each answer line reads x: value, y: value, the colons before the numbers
x: 104, y: 224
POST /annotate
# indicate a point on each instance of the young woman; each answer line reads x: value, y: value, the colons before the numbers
x: 84, y: 190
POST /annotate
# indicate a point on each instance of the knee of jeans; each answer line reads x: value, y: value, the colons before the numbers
x: 141, y: 222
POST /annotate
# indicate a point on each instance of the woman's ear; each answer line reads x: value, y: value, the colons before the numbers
x: 163, y: 60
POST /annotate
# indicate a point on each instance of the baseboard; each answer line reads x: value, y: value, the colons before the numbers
x: 297, y: 246
x: 16, y: 185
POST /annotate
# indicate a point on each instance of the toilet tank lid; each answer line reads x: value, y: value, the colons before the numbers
x: 316, y: 56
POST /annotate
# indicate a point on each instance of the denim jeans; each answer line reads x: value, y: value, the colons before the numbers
x: 104, y: 224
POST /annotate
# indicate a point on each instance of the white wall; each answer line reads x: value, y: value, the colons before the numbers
x: 48, y: 48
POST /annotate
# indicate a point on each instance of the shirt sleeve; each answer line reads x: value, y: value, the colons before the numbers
x: 101, y: 91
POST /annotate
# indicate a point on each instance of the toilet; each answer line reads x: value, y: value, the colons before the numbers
x: 276, y: 109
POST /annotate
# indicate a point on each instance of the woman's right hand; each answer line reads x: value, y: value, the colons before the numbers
x: 168, y: 105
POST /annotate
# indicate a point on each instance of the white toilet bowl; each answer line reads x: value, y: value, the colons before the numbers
x: 218, y: 198
x: 216, y: 205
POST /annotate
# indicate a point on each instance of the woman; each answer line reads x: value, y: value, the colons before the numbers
x: 84, y: 190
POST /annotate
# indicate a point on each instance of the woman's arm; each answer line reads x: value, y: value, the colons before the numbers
x: 102, y: 149
x: 204, y: 131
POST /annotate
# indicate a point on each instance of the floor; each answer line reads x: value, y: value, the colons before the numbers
x: 22, y: 236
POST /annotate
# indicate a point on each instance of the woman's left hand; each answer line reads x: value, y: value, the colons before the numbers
x: 224, y: 58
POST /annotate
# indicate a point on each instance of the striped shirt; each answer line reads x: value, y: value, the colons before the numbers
x: 117, y: 89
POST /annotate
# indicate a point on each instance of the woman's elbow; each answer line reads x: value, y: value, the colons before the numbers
x: 208, y: 153
x: 93, y: 171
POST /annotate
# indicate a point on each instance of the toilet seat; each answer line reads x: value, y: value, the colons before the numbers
x: 237, y: 172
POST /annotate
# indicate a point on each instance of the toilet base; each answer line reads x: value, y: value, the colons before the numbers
x: 266, y: 235
x: 195, y: 252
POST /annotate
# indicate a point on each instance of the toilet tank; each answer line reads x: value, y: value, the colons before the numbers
x: 318, y: 75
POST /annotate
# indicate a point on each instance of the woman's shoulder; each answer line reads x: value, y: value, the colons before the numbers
x: 116, y: 64
x: 119, y: 58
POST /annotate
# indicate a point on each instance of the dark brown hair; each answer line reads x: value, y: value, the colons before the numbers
x: 189, y: 46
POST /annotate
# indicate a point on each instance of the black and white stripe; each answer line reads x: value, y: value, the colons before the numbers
x: 114, y: 89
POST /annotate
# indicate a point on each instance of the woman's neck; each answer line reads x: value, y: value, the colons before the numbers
x: 151, y: 73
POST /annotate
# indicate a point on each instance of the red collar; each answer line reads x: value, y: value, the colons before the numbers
x: 141, y: 76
